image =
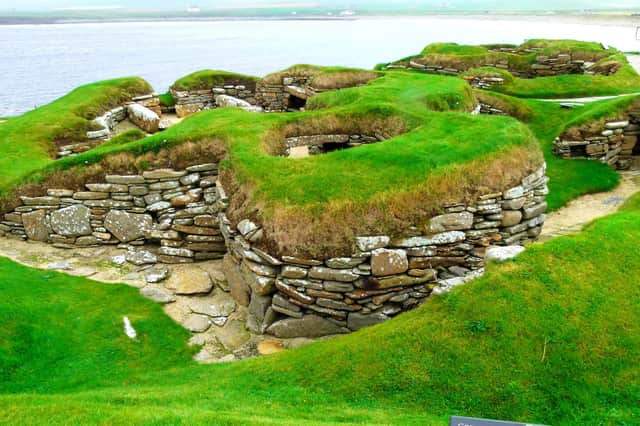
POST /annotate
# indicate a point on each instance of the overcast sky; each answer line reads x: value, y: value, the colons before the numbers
x: 395, y: 4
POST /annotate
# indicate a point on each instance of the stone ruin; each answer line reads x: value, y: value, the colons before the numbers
x: 178, y: 216
x: 544, y: 66
x: 144, y: 112
x: 613, y: 142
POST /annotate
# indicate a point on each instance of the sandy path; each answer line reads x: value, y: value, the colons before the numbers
x: 583, y: 210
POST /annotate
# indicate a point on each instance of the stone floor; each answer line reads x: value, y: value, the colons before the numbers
x: 194, y: 295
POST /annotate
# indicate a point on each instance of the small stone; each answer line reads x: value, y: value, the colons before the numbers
x: 371, y: 243
x: 59, y: 266
x: 511, y: 217
x: 197, y: 323
x: 157, y: 294
x: 142, y: 257
x: 307, y: 326
x: 502, y: 254
x: 438, y: 239
x: 356, y: 321
x: 451, y: 222
x: 156, y: 274
x: 293, y: 272
x: 119, y: 260
x: 329, y: 274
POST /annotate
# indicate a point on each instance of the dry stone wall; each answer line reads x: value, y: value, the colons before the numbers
x: 173, y: 210
x: 191, y: 101
x: 544, y: 66
x: 290, y: 297
x: 179, y: 217
x: 290, y: 93
x: 143, y: 111
x: 613, y: 143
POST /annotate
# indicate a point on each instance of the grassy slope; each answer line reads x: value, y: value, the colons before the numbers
x: 551, y: 338
x: 206, y: 79
x: 27, y: 141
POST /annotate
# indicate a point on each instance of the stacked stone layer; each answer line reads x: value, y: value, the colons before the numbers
x: 143, y: 111
x: 289, y: 296
x: 191, y: 101
x: 179, y: 215
x: 176, y: 210
x: 544, y: 66
x: 614, y: 143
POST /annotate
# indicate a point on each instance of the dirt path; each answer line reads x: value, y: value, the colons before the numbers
x: 583, y: 210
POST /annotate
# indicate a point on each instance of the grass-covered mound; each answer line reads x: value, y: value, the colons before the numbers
x: 206, y: 79
x: 28, y: 142
x: 551, y: 338
x: 473, y: 60
x: 323, y: 77
x: 441, y: 154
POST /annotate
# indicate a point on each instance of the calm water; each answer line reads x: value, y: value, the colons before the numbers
x: 41, y: 63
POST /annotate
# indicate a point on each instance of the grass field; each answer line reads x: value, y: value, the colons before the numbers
x: 550, y: 338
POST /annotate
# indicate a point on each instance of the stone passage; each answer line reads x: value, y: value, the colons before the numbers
x: 611, y: 142
x: 289, y: 296
x: 176, y: 210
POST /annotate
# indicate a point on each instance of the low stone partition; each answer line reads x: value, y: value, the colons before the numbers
x: 290, y: 296
x: 290, y: 93
x: 143, y: 111
x: 487, y: 109
x: 191, y: 101
x: 173, y: 210
x: 303, y: 146
x: 610, y: 142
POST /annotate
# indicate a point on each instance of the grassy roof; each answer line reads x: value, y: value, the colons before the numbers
x: 27, y: 142
x: 206, y: 79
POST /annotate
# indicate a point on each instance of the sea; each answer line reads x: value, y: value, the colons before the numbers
x: 39, y: 63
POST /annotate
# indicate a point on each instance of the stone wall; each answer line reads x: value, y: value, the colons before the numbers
x: 289, y: 296
x: 613, y: 142
x: 143, y: 111
x: 544, y: 66
x: 192, y: 101
x: 320, y: 144
x: 276, y: 97
x: 173, y: 210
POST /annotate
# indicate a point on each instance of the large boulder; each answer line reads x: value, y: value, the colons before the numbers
x: 73, y: 221
x: 307, y: 326
x: 127, y: 226
x: 36, y: 226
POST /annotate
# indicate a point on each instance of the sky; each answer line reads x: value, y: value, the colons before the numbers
x: 375, y: 4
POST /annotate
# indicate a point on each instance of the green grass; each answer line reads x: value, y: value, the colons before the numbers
x: 474, y: 58
x: 206, y: 79
x: 446, y: 140
x: 27, y: 142
x: 551, y: 338
x: 167, y: 100
x: 572, y: 86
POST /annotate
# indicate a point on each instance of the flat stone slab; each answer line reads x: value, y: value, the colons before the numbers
x: 73, y: 221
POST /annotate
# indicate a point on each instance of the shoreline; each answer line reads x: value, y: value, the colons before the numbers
x: 596, y: 19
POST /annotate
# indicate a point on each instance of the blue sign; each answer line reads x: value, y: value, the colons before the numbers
x: 469, y: 421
